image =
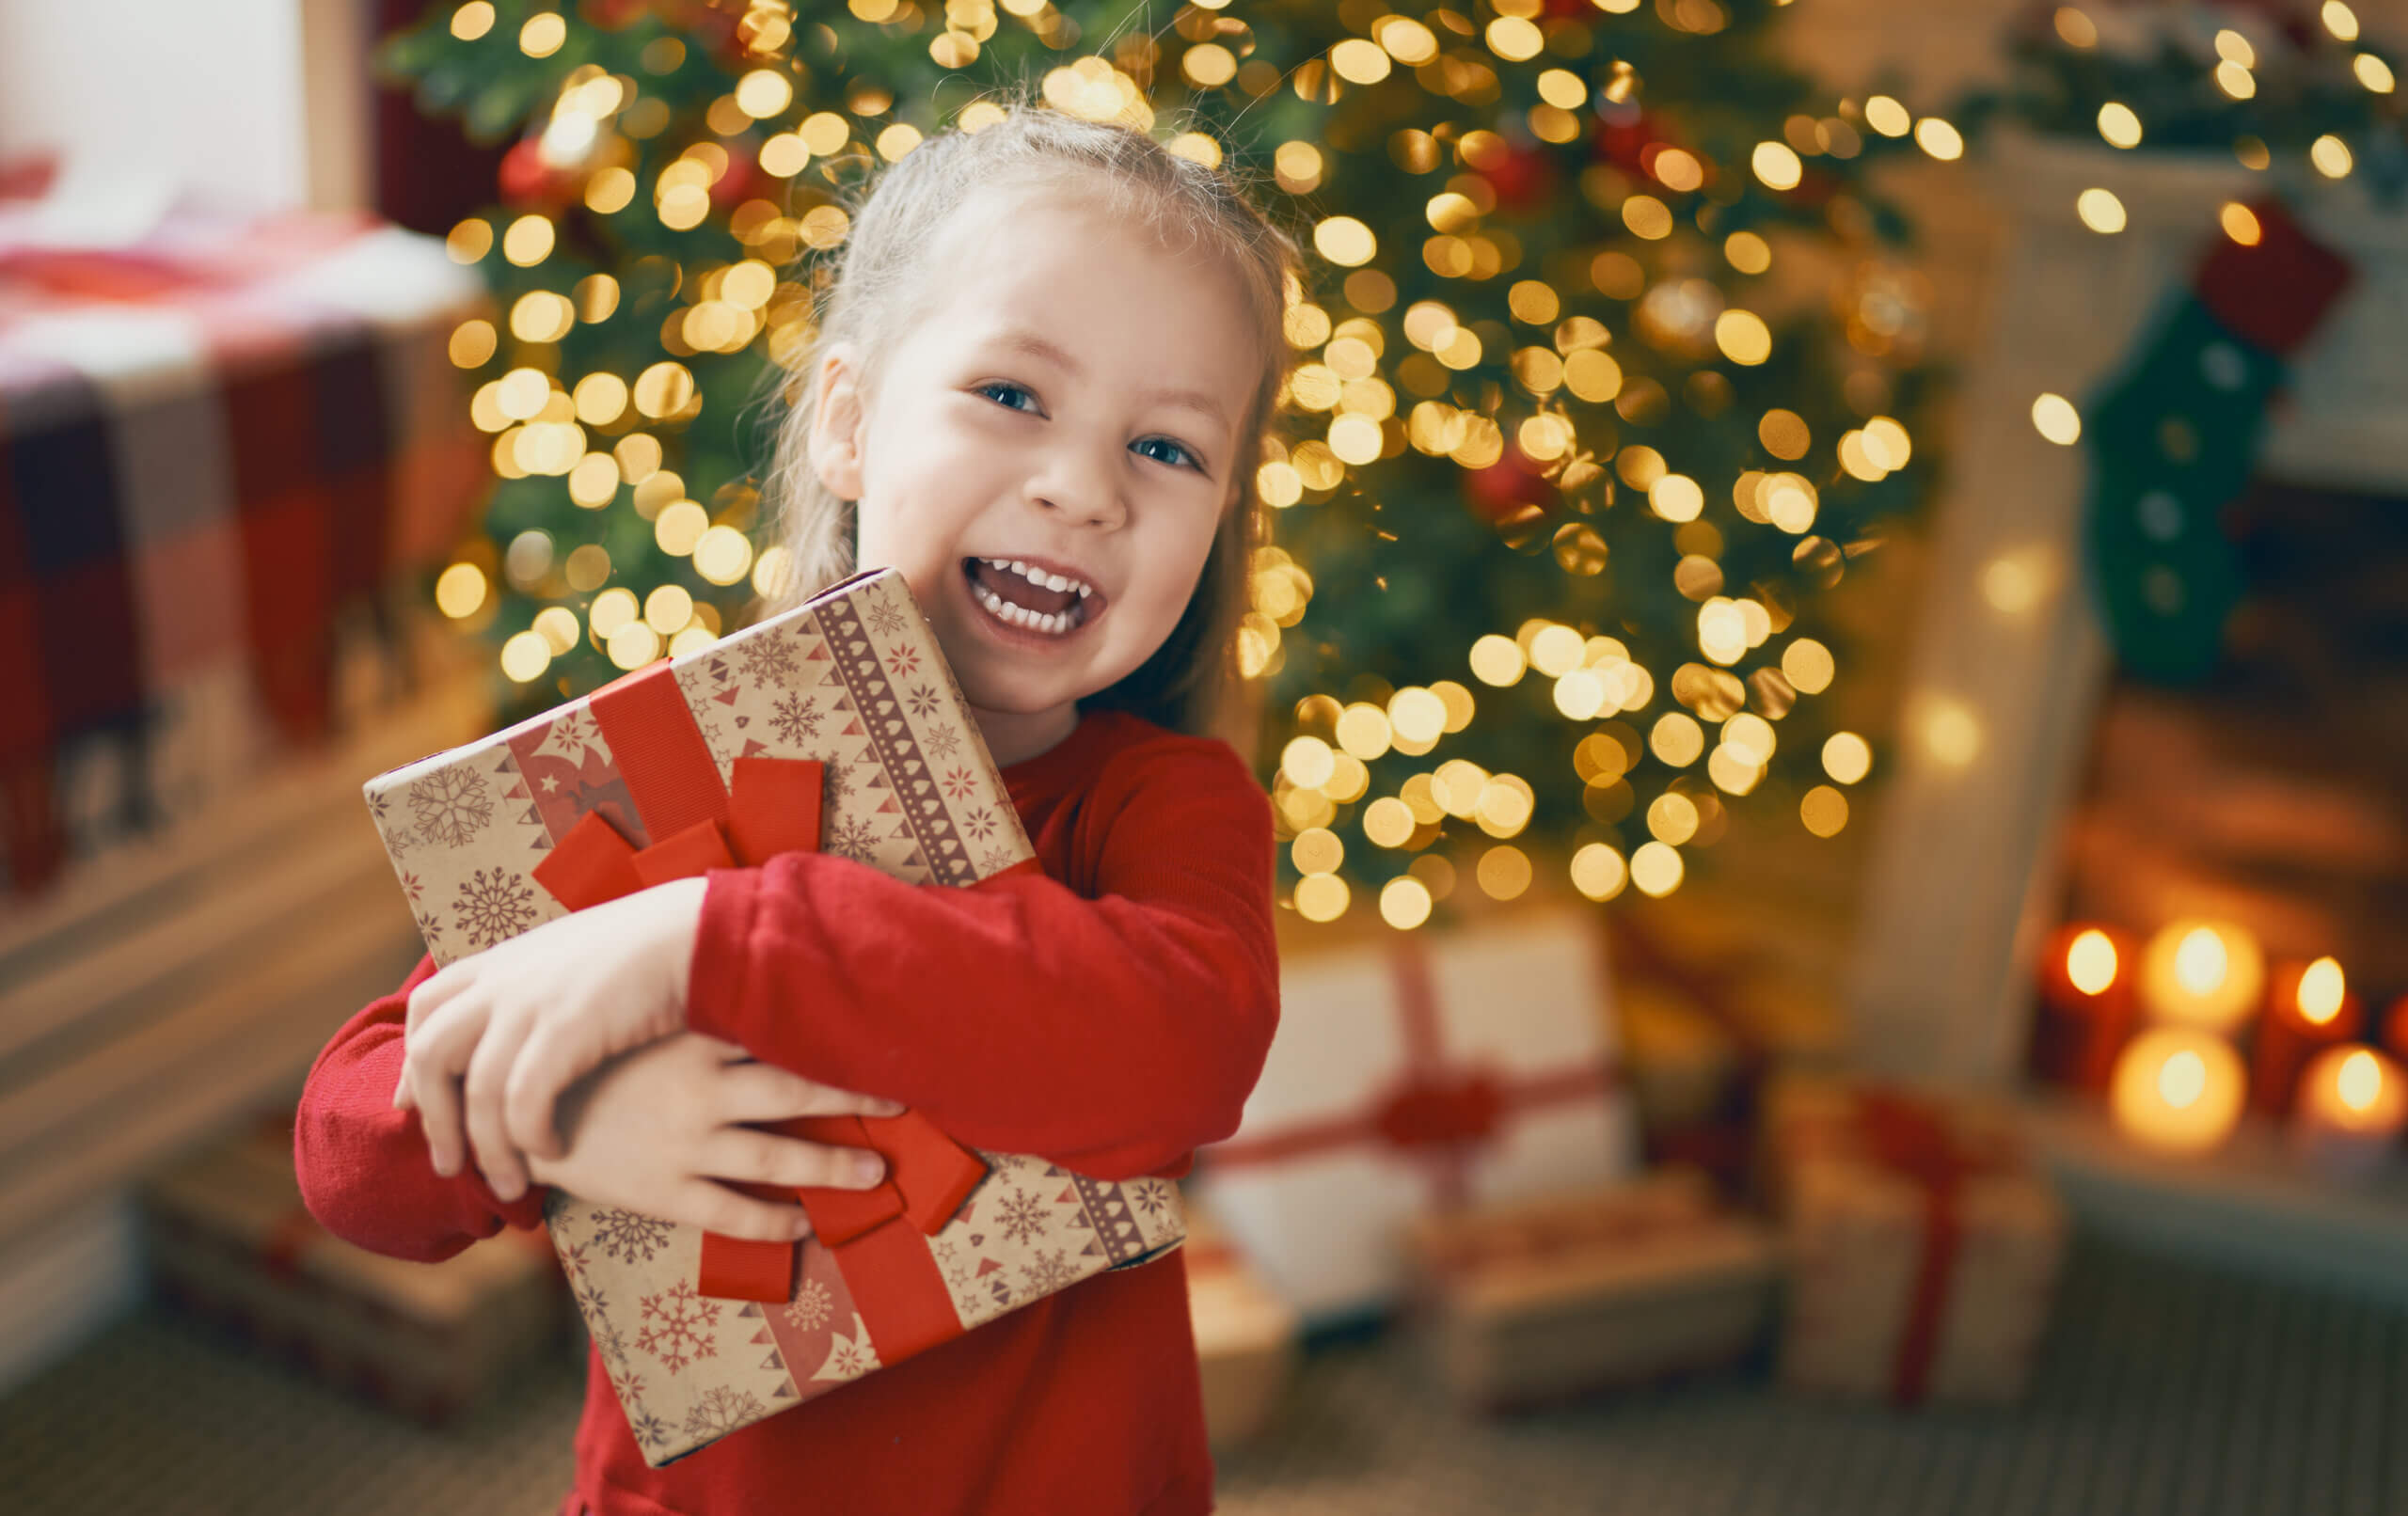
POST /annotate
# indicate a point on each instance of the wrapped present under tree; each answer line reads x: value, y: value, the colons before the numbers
x: 1427, y: 1071
x: 1924, y: 1242
x: 1246, y: 1335
x: 227, y: 1235
x: 1590, y: 1289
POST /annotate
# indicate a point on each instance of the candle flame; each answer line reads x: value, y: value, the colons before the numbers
x: 2360, y: 1081
x: 2321, y: 988
x: 2183, y: 1080
x: 2200, y: 963
x: 2090, y: 963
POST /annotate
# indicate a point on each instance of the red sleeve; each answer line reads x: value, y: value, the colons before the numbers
x: 364, y: 1169
x: 1113, y: 1036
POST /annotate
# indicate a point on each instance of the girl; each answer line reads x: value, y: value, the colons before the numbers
x: 1038, y: 390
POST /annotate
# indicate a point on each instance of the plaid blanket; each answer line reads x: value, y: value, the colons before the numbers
x: 215, y: 446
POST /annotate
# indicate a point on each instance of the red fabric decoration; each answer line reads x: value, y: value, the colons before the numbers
x: 2277, y: 291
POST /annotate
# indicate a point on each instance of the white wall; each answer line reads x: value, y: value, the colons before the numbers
x: 214, y: 94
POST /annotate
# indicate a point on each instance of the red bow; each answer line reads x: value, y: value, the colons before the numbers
x: 1437, y: 1114
x: 769, y: 806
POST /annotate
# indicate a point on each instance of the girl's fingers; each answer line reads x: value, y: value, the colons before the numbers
x: 545, y: 1067
x: 489, y: 1073
x: 763, y: 1092
x: 765, y: 1158
x: 438, y: 1098
x: 715, y: 1207
x: 437, y: 1054
x: 442, y: 987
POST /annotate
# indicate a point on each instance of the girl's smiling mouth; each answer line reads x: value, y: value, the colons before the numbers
x: 1032, y: 597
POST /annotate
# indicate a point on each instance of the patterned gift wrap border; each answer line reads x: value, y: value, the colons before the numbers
x: 689, y: 1369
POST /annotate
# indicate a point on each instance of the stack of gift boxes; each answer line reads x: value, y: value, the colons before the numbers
x: 1445, y: 1134
x: 1444, y: 1124
x: 229, y: 1238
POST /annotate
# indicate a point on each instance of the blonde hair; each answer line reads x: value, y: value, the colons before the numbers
x: 883, y: 280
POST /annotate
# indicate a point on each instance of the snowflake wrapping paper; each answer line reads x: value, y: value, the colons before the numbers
x: 1424, y: 1072
x: 853, y: 682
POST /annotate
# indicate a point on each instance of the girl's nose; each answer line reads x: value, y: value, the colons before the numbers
x: 1085, y: 492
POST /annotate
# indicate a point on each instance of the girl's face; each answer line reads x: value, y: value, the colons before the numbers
x: 1047, y: 456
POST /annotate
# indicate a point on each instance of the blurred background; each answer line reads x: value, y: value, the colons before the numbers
x: 1829, y: 661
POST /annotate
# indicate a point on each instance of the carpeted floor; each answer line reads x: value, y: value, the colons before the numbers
x: 2168, y: 1391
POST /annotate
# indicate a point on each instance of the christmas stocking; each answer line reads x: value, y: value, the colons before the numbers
x: 2175, y: 435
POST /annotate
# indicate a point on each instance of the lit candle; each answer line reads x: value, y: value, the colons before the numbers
x: 2204, y: 974
x: 2352, y: 1103
x: 2086, y: 1010
x: 2177, y: 1088
x: 2311, y: 1008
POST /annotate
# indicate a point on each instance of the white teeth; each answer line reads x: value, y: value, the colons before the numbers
x: 1004, y: 610
x: 1043, y: 578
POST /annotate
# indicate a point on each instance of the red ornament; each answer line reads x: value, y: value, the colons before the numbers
x: 1521, y: 175
x: 1625, y: 145
x: 743, y: 173
x: 526, y: 180
x: 1509, y: 491
x: 1816, y: 187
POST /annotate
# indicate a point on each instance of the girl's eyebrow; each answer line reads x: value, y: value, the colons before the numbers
x: 1023, y: 340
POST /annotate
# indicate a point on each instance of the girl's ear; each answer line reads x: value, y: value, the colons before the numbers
x: 838, y: 423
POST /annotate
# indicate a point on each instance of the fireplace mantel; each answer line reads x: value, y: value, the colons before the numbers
x: 1964, y: 871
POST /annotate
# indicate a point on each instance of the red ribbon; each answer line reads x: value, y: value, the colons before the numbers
x: 769, y: 806
x: 1437, y: 1115
x: 1914, y: 1140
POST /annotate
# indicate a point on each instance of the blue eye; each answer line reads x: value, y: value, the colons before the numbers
x: 1178, y: 448
x: 1010, y: 388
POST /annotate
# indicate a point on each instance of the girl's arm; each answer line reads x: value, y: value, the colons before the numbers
x: 363, y: 1165
x: 654, y: 1131
x: 1113, y: 1036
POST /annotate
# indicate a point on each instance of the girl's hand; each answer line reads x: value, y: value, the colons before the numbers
x: 493, y: 1040
x: 652, y: 1130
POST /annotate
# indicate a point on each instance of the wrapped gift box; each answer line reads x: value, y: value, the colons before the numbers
x: 1246, y: 1335
x: 838, y: 723
x: 1923, y: 1242
x: 1419, y: 1071
x: 228, y: 1236
x: 1599, y: 1287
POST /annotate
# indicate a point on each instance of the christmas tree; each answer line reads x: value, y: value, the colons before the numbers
x: 1603, y: 363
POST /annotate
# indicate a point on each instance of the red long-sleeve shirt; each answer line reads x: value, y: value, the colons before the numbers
x: 1110, y: 1016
